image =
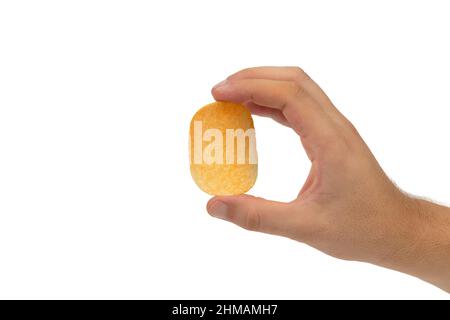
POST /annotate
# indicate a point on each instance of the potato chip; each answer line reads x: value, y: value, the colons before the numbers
x: 222, y: 145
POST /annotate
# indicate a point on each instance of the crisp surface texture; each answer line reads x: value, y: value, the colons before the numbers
x: 225, y: 178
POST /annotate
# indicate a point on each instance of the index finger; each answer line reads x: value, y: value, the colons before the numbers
x: 299, y: 108
x: 294, y: 74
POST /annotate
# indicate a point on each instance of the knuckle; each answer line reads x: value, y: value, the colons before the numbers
x: 252, y: 221
x: 292, y: 91
x: 300, y: 74
x: 295, y: 90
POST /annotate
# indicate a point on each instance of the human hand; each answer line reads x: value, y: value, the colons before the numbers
x: 347, y: 207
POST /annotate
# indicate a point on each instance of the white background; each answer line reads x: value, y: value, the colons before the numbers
x: 96, y: 199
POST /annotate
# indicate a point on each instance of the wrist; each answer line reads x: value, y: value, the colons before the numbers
x: 423, y: 248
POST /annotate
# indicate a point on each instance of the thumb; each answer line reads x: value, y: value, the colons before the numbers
x: 253, y: 213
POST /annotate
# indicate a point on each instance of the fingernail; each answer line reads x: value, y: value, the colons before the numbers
x: 220, y: 84
x: 218, y: 210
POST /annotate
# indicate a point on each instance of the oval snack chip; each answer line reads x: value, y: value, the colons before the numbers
x: 222, y: 147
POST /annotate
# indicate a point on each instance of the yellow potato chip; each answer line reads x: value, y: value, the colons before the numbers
x: 222, y: 146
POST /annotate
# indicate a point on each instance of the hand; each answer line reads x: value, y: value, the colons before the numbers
x: 347, y: 207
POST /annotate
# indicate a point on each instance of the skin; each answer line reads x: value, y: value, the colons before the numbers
x: 347, y: 208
